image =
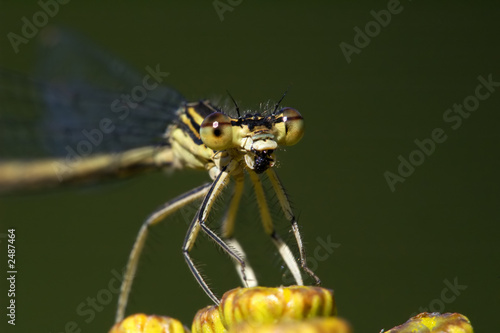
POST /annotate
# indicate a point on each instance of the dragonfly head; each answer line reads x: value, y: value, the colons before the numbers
x: 254, y: 135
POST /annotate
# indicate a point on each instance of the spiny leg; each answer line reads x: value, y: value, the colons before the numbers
x: 198, y: 223
x: 227, y: 233
x: 160, y: 214
x: 287, y: 210
x: 267, y: 222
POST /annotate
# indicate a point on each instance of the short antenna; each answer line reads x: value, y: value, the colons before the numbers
x: 279, y: 102
x: 235, y: 104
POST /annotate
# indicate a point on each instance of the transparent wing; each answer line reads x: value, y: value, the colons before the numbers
x: 81, y: 99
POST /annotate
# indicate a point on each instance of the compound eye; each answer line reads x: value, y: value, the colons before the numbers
x: 294, y: 126
x: 216, y: 131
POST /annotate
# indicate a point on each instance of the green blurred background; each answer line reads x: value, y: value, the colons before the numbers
x: 394, y: 250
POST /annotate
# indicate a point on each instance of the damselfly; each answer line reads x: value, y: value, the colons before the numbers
x: 88, y: 117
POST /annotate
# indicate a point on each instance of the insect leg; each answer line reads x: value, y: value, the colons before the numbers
x: 228, y: 230
x: 287, y: 210
x: 157, y: 216
x: 267, y: 222
x: 199, y: 223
